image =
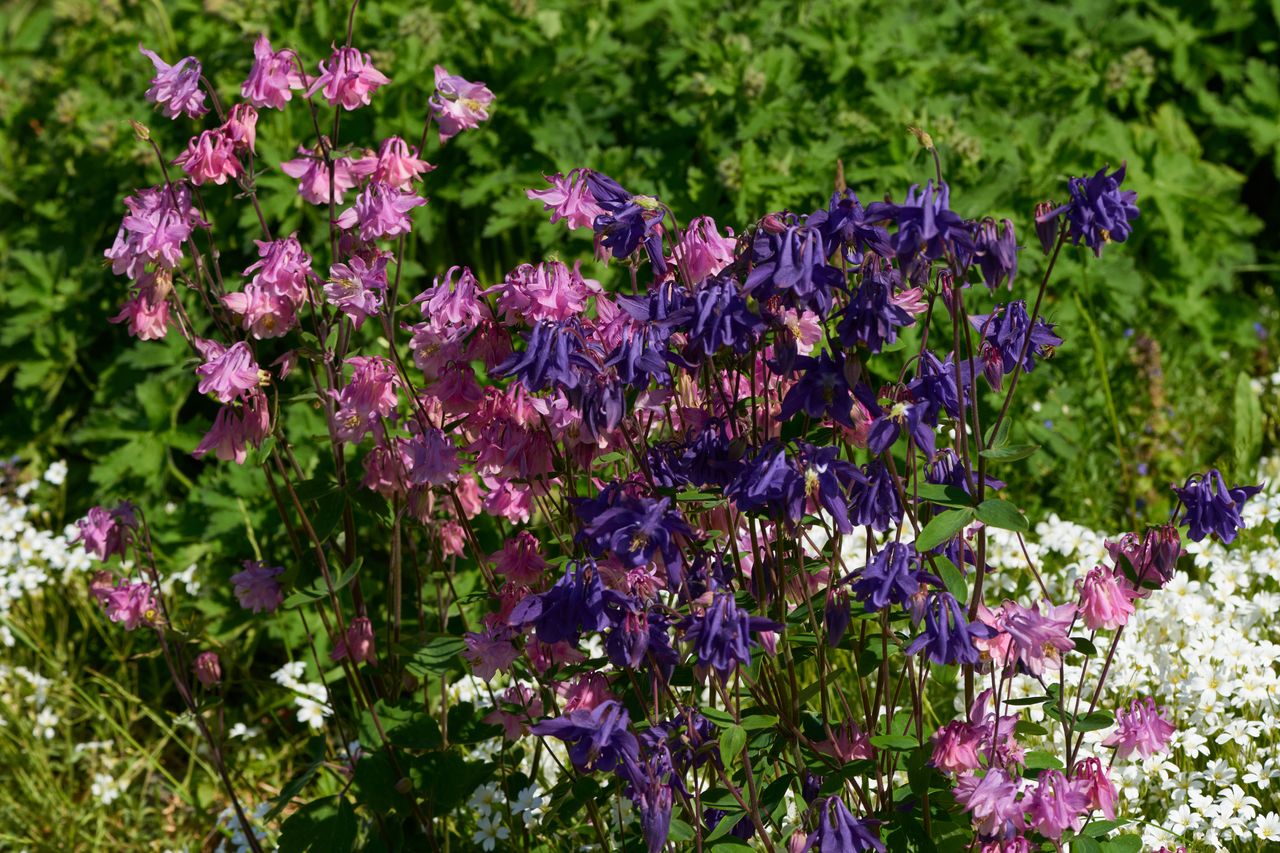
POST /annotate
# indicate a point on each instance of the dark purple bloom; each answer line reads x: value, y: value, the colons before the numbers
x: 822, y: 390
x: 552, y: 355
x: 1147, y: 563
x: 874, y: 500
x: 836, y: 617
x: 257, y: 588
x: 578, y: 602
x: 597, y: 739
x: 913, y: 418
x: 1004, y: 335
x: 838, y: 831
x: 927, y: 227
x: 948, y: 637
x: 721, y: 318
x: 640, y: 357
x: 892, y: 577
x: 874, y: 313
x: 1099, y: 212
x: 996, y: 250
x: 1211, y: 507
x: 653, y: 800
x: 935, y: 386
x: 634, y: 529
x: 845, y: 223
x: 709, y: 458
x: 947, y: 470
x: 641, y: 636
x: 1046, y: 225
x: 793, y: 262
x: 602, y: 402
x: 627, y: 221
x: 769, y: 482
x: 827, y: 481
x: 722, y: 635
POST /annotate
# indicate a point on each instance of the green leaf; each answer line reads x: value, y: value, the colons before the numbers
x: 1085, y: 646
x: 1010, y: 453
x: 719, y: 717
x: 437, y: 657
x: 944, y: 495
x: 327, y: 824
x: 754, y: 722
x: 1001, y: 437
x: 732, y: 741
x: 895, y: 743
x: 1026, y: 727
x: 317, y: 590
x: 996, y: 512
x: 1094, y: 721
x: 1099, y: 828
x: 1037, y: 760
x: 1247, y: 433
x: 1123, y: 844
x: 943, y: 527
x: 1084, y: 844
x: 953, y: 578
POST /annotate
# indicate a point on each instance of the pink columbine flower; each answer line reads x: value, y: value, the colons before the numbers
x: 1143, y: 728
x: 1035, y: 640
x: 367, y: 398
x: 957, y: 747
x: 457, y: 389
x: 348, y: 79
x: 241, y: 127
x: 519, y: 560
x: 805, y: 328
x: 272, y: 78
x: 147, y: 310
x: 508, y: 499
x: 159, y: 221
x: 357, y: 643
x: 228, y: 372
x: 132, y: 603
x: 257, y: 588
x: 528, y: 708
x: 106, y: 532
x: 569, y: 198
x: 396, y: 164
x: 453, y: 539
x: 176, y: 88
x: 208, y: 668
x: 1057, y: 804
x: 848, y: 742
x: 262, y: 313
x: 235, y: 427
x: 1097, y: 786
x: 284, y: 268
x: 489, y: 652
x: 458, y: 104
x: 356, y: 287
x: 313, y: 176
x: 452, y: 308
x: 585, y: 692
x: 381, y: 211
x: 210, y: 158
x: 1105, y: 600
x: 992, y: 800
x: 547, y: 291
x: 702, y: 252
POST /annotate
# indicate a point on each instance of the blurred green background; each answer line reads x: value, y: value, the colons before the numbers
x: 725, y: 109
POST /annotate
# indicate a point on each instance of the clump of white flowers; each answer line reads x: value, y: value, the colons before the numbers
x: 311, y: 698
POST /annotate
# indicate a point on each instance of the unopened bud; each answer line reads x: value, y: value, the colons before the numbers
x: 925, y: 140
x: 141, y: 130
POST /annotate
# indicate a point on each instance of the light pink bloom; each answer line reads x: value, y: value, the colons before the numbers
x: 849, y: 743
x: 147, y: 310
x: 1035, y: 640
x: 272, y: 78
x: 348, y: 79
x: 957, y: 746
x: 159, y: 221
x: 369, y: 396
x: 284, y: 268
x: 548, y: 291
x: 356, y: 287
x: 452, y: 308
x: 1057, y: 804
x: 702, y: 252
x: 257, y: 588
x: 210, y: 158
x: 456, y: 388
x: 176, y: 88
x: 227, y: 372
x: 262, y: 313
x: 1105, y: 600
x: 385, y: 468
x: 1143, y: 728
x: 106, y: 532
x: 453, y: 539
x: 458, y: 104
x: 489, y: 652
x: 1097, y: 786
x: 381, y: 211
x: 236, y: 427
x: 912, y: 301
x: 519, y: 560
x: 992, y: 800
x: 508, y: 499
x: 241, y: 127
x: 805, y: 328
x: 208, y: 668
x: 527, y: 709
x: 467, y: 491
x: 313, y: 176
x: 357, y: 643
x: 133, y: 604
x: 396, y: 164
x: 585, y: 692
x: 569, y: 199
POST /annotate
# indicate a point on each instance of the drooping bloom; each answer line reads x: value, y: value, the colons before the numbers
x: 769, y: 482
x: 892, y: 577
x: 207, y: 668
x: 241, y: 127
x: 381, y: 211
x: 927, y: 227
x: 992, y: 800
x: 349, y: 79
x: 838, y: 831
x: 847, y: 743
x: 790, y: 259
x: 627, y: 221
x: 997, y: 253
x: 1143, y: 729
x: 235, y: 427
x: 877, y: 310
x: 1097, y: 786
x: 1148, y: 562
x: 368, y: 397
x: 257, y: 588
x: 312, y: 174
x: 722, y: 317
x: 957, y: 746
x: 702, y: 252
x: 1106, y: 601
x: 458, y: 104
x: 146, y: 312
x: 490, y: 651
x: 433, y: 458
x: 130, y: 602
x: 1007, y: 333
x: 948, y: 637
x: 1210, y: 507
x: 576, y: 603
x: 228, y: 372
x: 176, y: 88
x: 159, y: 221
x: 722, y: 635
x: 1099, y: 212
x: 633, y: 529
x: 106, y: 532
x: 597, y: 739
x: 569, y: 198
x: 1036, y: 641
x: 822, y: 390
x: 552, y: 355
x: 356, y: 288
x: 357, y: 643
x: 874, y: 502
x: 1057, y: 804
x: 210, y: 158
x: 272, y: 78
x: 396, y: 164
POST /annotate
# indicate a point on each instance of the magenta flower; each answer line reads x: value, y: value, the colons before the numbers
x: 284, y: 268
x: 396, y: 164
x: 313, y: 176
x: 1036, y: 641
x: 176, y: 88
x: 348, y: 79
x: 272, y: 78
x: 992, y: 800
x: 381, y: 211
x: 1143, y: 728
x: 569, y: 198
x: 208, y: 669
x: 368, y: 397
x: 433, y: 459
x: 957, y: 746
x: 490, y: 652
x: 1057, y: 804
x: 105, y: 532
x: 702, y: 252
x: 586, y: 692
x: 257, y: 588
x: 548, y: 291
x: 357, y: 643
x: 133, y: 604
x: 262, y: 313
x: 227, y: 372
x: 210, y: 158
x: 527, y: 708
x: 241, y: 127
x: 235, y: 427
x: 1106, y: 601
x: 147, y: 311
x: 458, y: 104
x: 508, y: 499
x: 159, y: 221
x: 452, y: 308
x: 1097, y: 786
x: 356, y: 287
x: 519, y: 560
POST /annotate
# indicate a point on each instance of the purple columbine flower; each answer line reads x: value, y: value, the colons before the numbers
x: 927, y: 227
x: 996, y: 251
x: 845, y: 223
x: 722, y: 635
x: 1148, y: 562
x: 597, y: 739
x: 1004, y: 334
x: 792, y: 262
x: 892, y: 577
x: 640, y: 357
x: 770, y: 482
x: 634, y: 529
x: 257, y: 588
x: 821, y: 391
x: 721, y: 317
x: 874, y: 500
x: 578, y: 602
x: 176, y: 88
x: 827, y: 481
x: 552, y: 355
x: 1099, y: 212
x: 1211, y: 507
x: 838, y: 831
x: 903, y: 416
x: 948, y: 637
x: 627, y: 221
x: 874, y: 313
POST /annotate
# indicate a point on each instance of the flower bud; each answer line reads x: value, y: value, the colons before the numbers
x: 208, y: 669
x: 1046, y: 225
x: 140, y: 130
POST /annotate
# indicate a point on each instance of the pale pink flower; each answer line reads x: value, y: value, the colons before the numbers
x: 1097, y: 786
x: 1106, y: 601
x: 458, y: 104
x: 159, y: 221
x: 957, y: 747
x: 262, y: 313
x: 1143, y: 729
x: 702, y: 252
x: 490, y: 651
x: 356, y: 288
x: 210, y: 158
x: 585, y: 692
x: 357, y: 643
x: 1057, y: 804
x: 228, y: 372
x: 312, y: 174
x: 348, y: 79
x: 451, y: 308
x: 133, y: 604
x: 527, y: 709
x: 241, y: 127
x: 107, y: 532
x: 519, y: 560
x: 284, y: 268
x: 467, y: 491
x: 569, y: 198
x: 236, y: 427
x: 548, y: 291
x: 1035, y: 640
x: 992, y: 800
x: 176, y: 88
x: 847, y: 743
x: 381, y: 211
x: 396, y: 164
x: 147, y: 310
x: 453, y: 539
x: 272, y: 78
x: 508, y: 499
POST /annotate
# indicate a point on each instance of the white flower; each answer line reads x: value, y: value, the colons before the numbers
x: 489, y: 831
x: 485, y: 799
x: 1267, y: 827
x: 56, y: 473
x: 530, y: 804
x: 104, y: 787
x: 312, y: 712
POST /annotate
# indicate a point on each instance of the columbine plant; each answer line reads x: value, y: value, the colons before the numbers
x: 715, y: 540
